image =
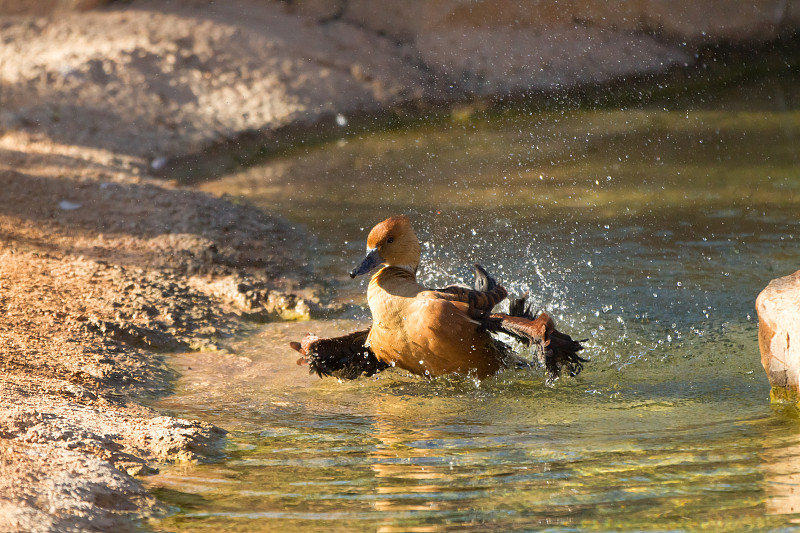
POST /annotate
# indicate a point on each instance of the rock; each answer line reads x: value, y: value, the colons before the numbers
x: 399, y: 20
x: 502, y: 60
x: 709, y: 20
x: 319, y: 10
x: 487, y: 47
x: 200, y: 73
x: 715, y: 21
x: 778, y: 308
x: 46, y: 7
x: 137, y: 336
x: 178, y: 440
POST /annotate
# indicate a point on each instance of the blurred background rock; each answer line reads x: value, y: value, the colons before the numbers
x: 159, y: 78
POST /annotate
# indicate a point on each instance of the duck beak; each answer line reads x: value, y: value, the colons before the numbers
x: 372, y: 260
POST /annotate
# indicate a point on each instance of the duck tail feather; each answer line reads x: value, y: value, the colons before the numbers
x: 345, y: 357
x: 520, y: 307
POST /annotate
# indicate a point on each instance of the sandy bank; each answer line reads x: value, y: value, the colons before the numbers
x: 101, y: 271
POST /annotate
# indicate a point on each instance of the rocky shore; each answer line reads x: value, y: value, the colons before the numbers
x: 104, y: 267
x: 101, y: 272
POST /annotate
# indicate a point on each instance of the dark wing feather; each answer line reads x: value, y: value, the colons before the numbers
x: 482, y: 299
x: 556, y: 350
x: 344, y: 357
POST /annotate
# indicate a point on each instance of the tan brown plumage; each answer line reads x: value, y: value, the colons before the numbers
x: 433, y: 332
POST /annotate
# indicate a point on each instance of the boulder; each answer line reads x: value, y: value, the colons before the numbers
x: 46, y: 7
x: 676, y: 20
x: 778, y: 308
x: 488, y: 47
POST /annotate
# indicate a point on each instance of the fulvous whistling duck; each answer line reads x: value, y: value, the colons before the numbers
x: 433, y: 332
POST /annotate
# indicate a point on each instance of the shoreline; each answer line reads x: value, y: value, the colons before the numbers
x: 94, y: 292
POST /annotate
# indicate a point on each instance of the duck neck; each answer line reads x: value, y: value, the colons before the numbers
x: 391, y: 282
x: 411, y: 269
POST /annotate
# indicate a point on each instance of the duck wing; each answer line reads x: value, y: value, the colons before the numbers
x: 556, y: 350
x: 345, y: 357
x: 482, y: 299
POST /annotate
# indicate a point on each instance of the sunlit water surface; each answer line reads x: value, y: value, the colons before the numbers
x: 647, y: 230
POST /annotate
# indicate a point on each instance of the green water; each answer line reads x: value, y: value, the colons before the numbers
x: 647, y: 230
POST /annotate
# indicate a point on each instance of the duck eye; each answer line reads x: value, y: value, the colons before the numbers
x: 390, y: 240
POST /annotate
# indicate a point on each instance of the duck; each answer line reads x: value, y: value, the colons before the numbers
x: 435, y: 332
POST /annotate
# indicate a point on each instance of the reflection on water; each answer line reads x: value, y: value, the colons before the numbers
x: 649, y: 231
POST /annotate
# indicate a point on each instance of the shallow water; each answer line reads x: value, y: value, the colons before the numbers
x: 647, y: 230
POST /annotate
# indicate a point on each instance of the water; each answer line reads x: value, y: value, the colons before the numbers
x: 647, y: 230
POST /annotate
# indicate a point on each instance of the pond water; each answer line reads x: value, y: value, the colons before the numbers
x: 648, y: 230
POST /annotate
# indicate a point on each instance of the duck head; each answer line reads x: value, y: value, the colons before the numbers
x: 392, y: 243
